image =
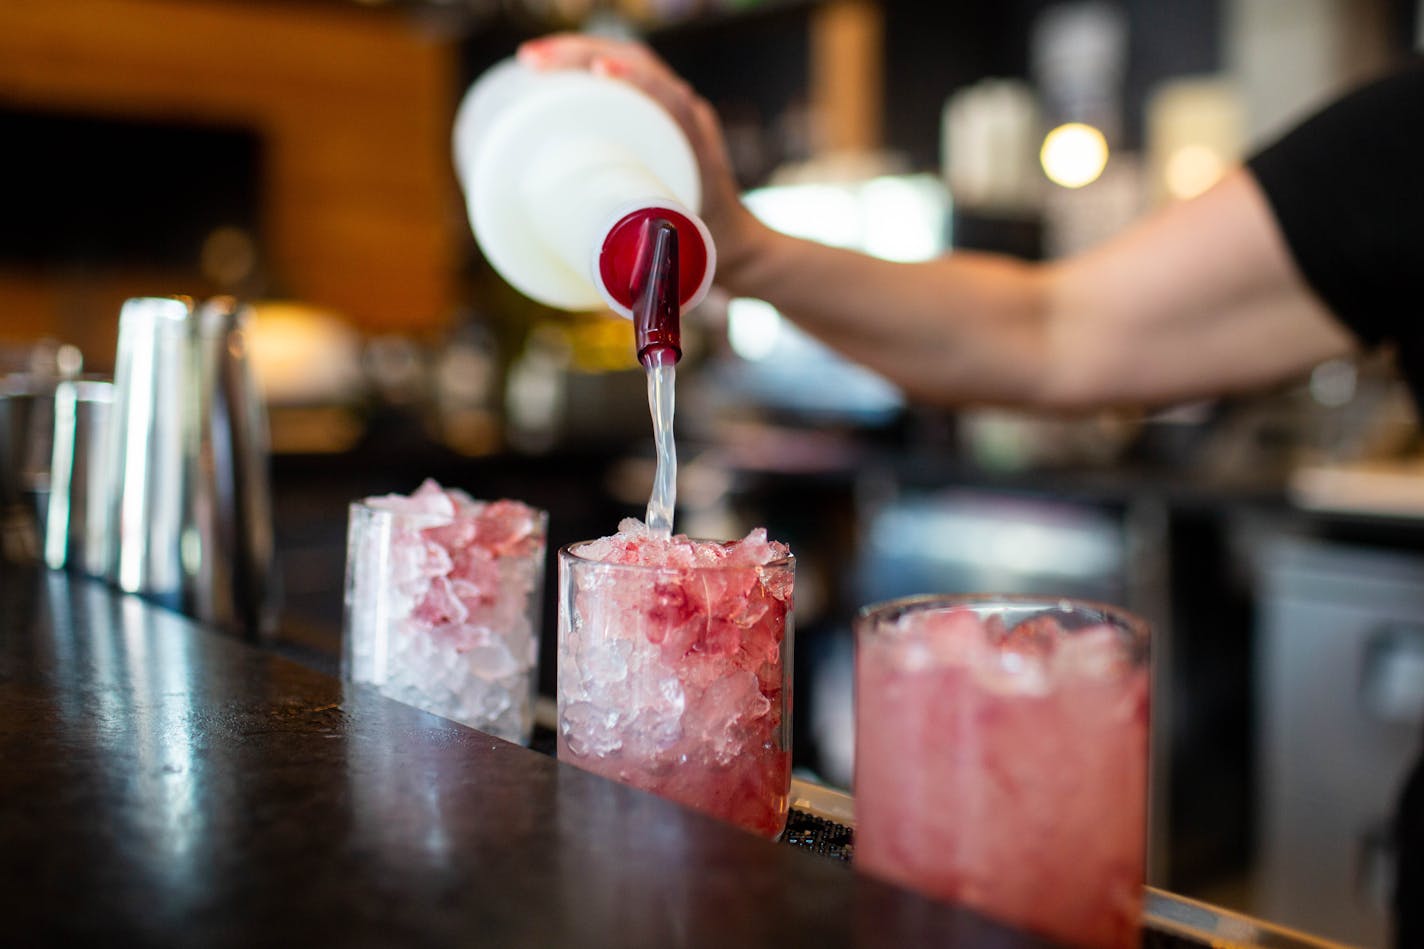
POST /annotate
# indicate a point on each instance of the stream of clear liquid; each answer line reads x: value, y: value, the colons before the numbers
x: 661, y: 392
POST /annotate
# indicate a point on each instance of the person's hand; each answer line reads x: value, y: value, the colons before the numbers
x: 734, y: 231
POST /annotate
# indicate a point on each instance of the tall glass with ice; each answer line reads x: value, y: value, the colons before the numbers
x: 1001, y: 759
x: 442, y: 605
x: 675, y: 669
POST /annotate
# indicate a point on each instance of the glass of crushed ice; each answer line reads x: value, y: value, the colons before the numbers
x: 675, y: 669
x: 1001, y: 758
x: 443, y: 605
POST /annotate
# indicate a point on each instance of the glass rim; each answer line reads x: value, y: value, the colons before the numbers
x: 363, y: 504
x: 430, y: 519
x: 873, y: 615
x: 566, y: 552
x: 29, y: 384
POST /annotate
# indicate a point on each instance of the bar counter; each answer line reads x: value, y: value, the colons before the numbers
x: 164, y: 784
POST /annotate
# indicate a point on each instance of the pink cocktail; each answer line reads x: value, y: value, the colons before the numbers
x: 675, y: 669
x: 1001, y: 759
x: 442, y: 605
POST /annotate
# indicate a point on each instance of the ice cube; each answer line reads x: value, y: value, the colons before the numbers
x: 395, y: 503
x: 434, y: 499
x: 754, y: 548
x: 436, y: 562
x: 632, y: 526
x: 600, y: 550
x: 606, y: 663
x: 491, y: 660
x: 455, y: 638
x: 777, y: 583
x: 495, y: 697
x: 457, y: 534
x: 953, y: 637
x: 653, y: 732
x: 439, y: 606
x: 480, y: 572
x: 589, y: 730
x: 743, y: 599
x: 1017, y: 671
x: 429, y: 498
x: 720, y: 637
x: 403, y: 568
x: 728, y: 703
x: 762, y: 641
x: 1093, y: 653
x: 504, y: 525
x: 698, y: 671
x: 464, y: 503
x: 671, y: 695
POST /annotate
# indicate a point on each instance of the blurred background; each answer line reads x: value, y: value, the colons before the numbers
x: 296, y: 153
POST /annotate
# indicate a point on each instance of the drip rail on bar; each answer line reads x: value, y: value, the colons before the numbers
x: 1162, y: 912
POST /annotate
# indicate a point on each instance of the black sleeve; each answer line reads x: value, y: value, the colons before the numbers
x: 1347, y: 189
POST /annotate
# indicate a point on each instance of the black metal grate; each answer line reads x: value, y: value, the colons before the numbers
x: 1156, y: 939
x: 818, y: 835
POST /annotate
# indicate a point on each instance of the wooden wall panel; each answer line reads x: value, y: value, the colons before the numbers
x: 847, y: 69
x: 361, y: 211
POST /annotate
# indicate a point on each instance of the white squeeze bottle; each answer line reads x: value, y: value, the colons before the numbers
x: 583, y: 192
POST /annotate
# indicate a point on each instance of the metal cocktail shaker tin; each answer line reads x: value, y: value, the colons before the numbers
x: 19, y: 532
x: 190, y: 516
x: 76, y: 522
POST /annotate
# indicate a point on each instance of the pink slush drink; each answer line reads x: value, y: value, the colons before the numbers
x: 674, y: 669
x: 442, y: 596
x: 1001, y: 759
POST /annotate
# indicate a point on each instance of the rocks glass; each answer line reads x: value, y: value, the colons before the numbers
x: 675, y: 674
x: 1001, y: 759
x: 442, y: 605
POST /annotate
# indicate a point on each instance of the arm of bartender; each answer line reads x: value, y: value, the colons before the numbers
x: 1213, y: 295
x: 1311, y: 250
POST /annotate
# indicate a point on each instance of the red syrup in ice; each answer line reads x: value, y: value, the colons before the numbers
x: 673, y: 669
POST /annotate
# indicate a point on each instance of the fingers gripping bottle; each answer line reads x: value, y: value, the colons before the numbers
x: 583, y: 192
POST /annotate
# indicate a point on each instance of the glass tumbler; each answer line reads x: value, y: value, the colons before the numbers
x: 443, y: 612
x: 677, y: 680
x: 1001, y: 759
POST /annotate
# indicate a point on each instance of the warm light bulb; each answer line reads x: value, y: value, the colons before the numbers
x: 1074, y: 155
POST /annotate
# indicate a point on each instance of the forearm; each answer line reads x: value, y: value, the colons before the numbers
x: 1196, y: 301
x: 964, y: 328
x: 1201, y: 299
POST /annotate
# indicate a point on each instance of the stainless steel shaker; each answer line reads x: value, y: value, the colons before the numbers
x: 76, y: 516
x: 26, y: 433
x: 19, y: 533
x: 232, y: 507
x: 190, y: 518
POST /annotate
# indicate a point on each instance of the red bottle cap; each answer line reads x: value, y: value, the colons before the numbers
x: 618, y: 258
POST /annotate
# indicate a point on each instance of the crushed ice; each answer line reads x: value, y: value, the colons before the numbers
x: 443, y: 616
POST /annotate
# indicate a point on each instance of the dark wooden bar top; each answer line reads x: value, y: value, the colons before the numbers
x: 163, y: 784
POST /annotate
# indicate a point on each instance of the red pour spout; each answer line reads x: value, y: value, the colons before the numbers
x: 657, y: 325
